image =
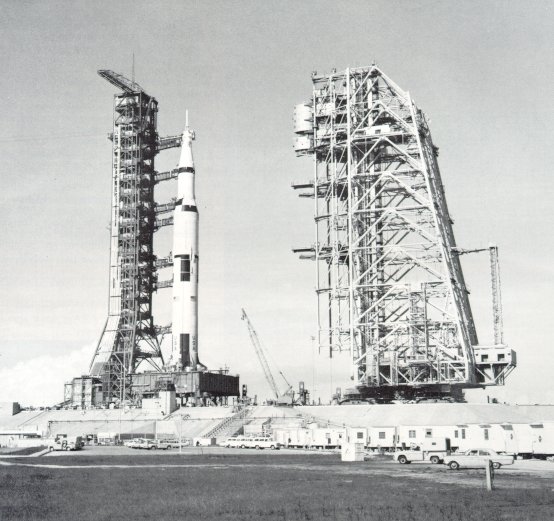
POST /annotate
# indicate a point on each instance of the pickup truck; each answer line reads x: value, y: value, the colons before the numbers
x: 145, y: 444
x: 63, y: 442
x: 135, y: 443
x: 432, y: 449
x: 407, y: 456
x: 477, y: 458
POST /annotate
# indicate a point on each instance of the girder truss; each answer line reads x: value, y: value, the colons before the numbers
x: 390, y: 287
x: 130, y: 337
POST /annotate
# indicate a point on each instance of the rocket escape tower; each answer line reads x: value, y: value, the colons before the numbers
x: 390, y: 286
x: 130, y: 337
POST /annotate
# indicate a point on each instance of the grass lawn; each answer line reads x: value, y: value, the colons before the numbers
x: 15, y: 451
x: 271, y: 488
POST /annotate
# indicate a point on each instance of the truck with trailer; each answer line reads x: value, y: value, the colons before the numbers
x: 433, y: 450
x: 64, y: 442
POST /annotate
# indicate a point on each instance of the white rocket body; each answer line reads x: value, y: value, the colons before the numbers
x: 184, y: 352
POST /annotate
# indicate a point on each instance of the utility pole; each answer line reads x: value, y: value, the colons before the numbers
x: 489, y: 470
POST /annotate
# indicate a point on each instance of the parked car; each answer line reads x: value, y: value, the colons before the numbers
x: 232, y: 442
x: 134, y: 443
x: 166, y: 444
x: 236, y: 442
x: 146, y: 444
x: 262, y: 442
x: 477, y: 458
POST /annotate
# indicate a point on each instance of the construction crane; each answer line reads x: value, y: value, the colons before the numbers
x: 495, y: 286
x: 285, y: 397
x: 126, y: 85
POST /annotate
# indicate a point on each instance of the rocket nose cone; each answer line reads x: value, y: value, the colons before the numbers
x: 186, y: 159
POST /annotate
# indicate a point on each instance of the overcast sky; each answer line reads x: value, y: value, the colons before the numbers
x: 481, y: 70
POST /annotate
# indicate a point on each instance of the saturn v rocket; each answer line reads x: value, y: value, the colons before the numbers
x: 184, y: 349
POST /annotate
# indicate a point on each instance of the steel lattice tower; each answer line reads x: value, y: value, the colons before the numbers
x: 130, y: 336
x: 390, y: 286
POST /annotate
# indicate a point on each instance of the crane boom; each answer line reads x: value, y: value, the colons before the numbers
x: 120, y: 81
x: 496, y: 296
x: 261, y: 356
x: 496, y: 290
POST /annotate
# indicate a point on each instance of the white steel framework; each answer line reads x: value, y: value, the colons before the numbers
x: 390, y: 286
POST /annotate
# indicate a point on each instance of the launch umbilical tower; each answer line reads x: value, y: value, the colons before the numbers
x: 390, y: 286
x: 128, y: 364
x: 130, y: 337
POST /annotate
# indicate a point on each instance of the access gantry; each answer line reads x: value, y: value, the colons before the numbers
x: 390, y: 286
x: 130, y: 337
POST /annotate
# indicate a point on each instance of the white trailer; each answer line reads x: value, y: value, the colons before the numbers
x: 381, y: 438
x: 204, y: 442
x: 107, y: 438
x: 540, y: 438
x: 326, y: 437
x: 294, y: 438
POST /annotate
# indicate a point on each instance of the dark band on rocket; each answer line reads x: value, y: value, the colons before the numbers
x: 186, y: 207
